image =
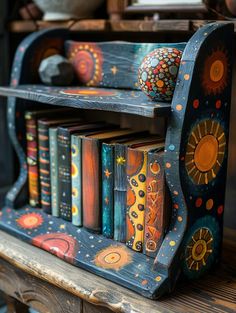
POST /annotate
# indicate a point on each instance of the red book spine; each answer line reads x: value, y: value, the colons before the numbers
x: 91, y: 184
x: 32, y: 159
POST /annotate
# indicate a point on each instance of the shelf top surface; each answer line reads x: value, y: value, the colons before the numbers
x: 115, y: 100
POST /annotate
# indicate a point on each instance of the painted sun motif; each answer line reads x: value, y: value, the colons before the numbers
x: 205, y: 151
x: 88, y: 92
x: 199, y: 249
x: 30, y: 220
x: 120, y: 160
x: 113, y: 257
x: 87, y: 60
x: 202, y: 246
x: 215, y: 72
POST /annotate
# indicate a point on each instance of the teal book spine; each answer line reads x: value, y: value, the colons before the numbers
x: 107, y: 190
x: 120, y: 192
x: 76, y: 178
x: 53, y: 150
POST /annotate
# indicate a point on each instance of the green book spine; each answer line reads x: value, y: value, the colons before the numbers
x: 54, y: 170
x: 76, y: 180
x: 107, y: 190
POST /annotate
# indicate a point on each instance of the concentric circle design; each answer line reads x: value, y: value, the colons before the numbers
x: 205, y: 151
x: 74, y: 150
x: 113, y: 257
x: 158, y: 72
x: 87, y: 60
x: 215, y: 72
x: 201, y: 246
x: 30, y: 220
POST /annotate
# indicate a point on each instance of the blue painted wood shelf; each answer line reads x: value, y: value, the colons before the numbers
x: 107, y: 99
x: 80, y: 247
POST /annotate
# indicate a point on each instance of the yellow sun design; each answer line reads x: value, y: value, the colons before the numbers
x: 205, y: 151
x: 120, y: 160
x: 215, y: 72
x: 113, y: 257
x: 199, y: 249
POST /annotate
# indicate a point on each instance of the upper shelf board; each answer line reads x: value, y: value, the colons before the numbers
x: 116, y: 100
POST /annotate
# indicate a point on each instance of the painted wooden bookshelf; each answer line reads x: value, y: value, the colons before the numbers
x: 198, y: 116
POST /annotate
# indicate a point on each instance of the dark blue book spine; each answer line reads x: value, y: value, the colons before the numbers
x: 120, y: 192
x: 76, y: 177
x: 64, y: 169
x: 107, y: 190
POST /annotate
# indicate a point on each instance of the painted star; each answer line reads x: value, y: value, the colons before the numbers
x: 62, y: 226
x: 120, y: 160
x: 107, y: 173
x: 114, y: 70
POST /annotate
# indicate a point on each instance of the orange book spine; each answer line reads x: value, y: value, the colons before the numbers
x: 91, y: 184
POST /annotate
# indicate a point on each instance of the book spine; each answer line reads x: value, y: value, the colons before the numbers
x: 107, y: 190
x: 44, y: 166
x: 154, y: 208
x: 120, y: 191
x: 32, y: 160
x: 91, y: 184
x: 53, y: 149
x: 64, y: 171
x: 136, y: 198
x: 76, y: 180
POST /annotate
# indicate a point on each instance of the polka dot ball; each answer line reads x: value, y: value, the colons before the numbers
x: 158, y: 72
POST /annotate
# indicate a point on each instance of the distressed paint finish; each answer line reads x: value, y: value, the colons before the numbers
x: 111, y: 64
x: 192, y: 242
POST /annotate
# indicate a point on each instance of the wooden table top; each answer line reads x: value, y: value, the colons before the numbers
x: 216, y: 292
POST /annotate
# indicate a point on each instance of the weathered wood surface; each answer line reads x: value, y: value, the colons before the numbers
x: 35, y: 292
x: 125, y: 101
x: 102, y: 25
x: 216, y: 292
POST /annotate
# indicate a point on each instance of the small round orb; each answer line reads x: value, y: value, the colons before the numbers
x: 158, y: 72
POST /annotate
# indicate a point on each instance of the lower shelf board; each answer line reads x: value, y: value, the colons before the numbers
x: 95, y: 253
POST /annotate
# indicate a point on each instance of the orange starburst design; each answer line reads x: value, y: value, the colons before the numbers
x: 30, y: 220
x: 113, y: 257
x: 215, y: 72
x: 107, y: 173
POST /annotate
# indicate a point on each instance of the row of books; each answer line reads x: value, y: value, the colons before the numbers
x: 97, y: 175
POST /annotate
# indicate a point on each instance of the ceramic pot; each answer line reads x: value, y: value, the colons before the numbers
x: 231, y: 5
x: 55, y: 10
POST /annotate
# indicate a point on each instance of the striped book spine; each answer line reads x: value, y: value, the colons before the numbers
x: 54, y: 170
x: 76, y: 180
x: 107, y: 190
x: 32, y: 159
x: 44, y: 166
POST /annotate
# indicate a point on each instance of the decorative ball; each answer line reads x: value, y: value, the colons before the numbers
x: 56, y: 70
x: 158, y: 72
